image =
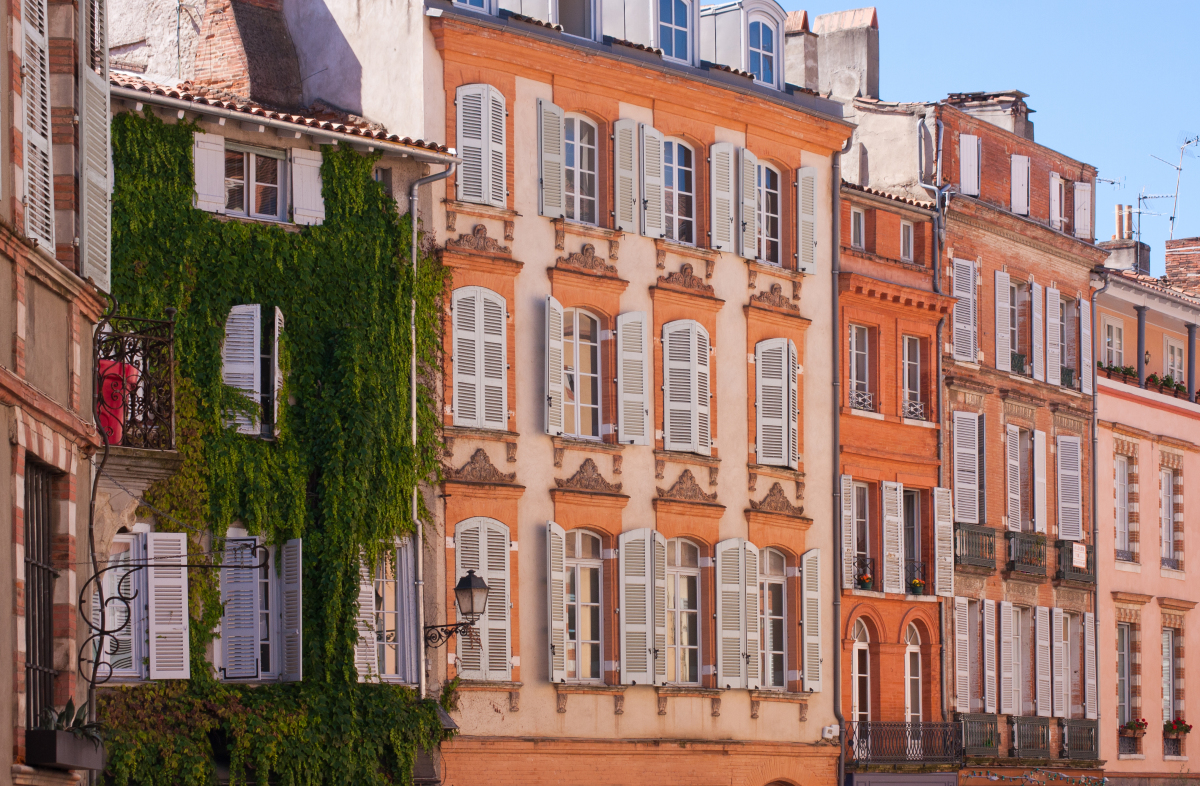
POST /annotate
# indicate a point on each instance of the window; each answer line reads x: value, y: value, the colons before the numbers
x: 396, y: 651
x: 1176, y: 361
x: 1114, y: 343
x: 861, y: 673
x: 383, y: 176
x: 260, y: 627
x: 686, y: 376
x: 1124, y: 659
x: 863, y: 569
x: 581, y: 374
x: 40, y: 574
x: 679, y: 191
x: 970, y: 154
x: 768, y: 215
x: 480, y: 359
x: 1168, y: 675
x: 858, y: 228
x: 906, y: 241
x: 860, y: 387
x: 913, y: 406
x: 482, y: 545
x: 775, y: 404
x: 125, y: 650
x: 583, y: 566
x: 912, y: 675
x: 772, y: 616
x: 250, y: 362
x: 673, y: 23
x: 1058, y: 201
x: 975, y: 654
x: 472, y: 3
x: 1024, y: 648
x: 481, y: 130
x: 1061, y: 331
x: 1014, y: 337
x: 969, y: 477
x: 579, y: 170
x: 254, y: 183
x: 966, y: 312
x: 762, y: 52
x: 914, y: 567
x: 1166, y: 516
x: 1121, y: 470
x: 575, y: 16
x: 683, y: 612
x: 1019, y: 480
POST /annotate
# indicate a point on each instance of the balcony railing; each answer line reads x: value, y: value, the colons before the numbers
x: 914, y: 571
x: 1068, y: 570
x: 875, y: 742
x: 980, y: 734
x: 864, y: 573
x: 1080, y: 738
x: 1171, y: 562
x: 975, y: 545
x: 1172, y: 746
x: 914, y: 410
x: 1128, y: 745
x: 1018, y: 363
x: 1030, y: 737
x: 862, y: 399
x: 1027, y: 553
x: 135, y: 381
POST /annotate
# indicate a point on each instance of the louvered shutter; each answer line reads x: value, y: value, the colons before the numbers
x: 240, y: 601
x: 1087, y: 368
x: 1061, y: 685
x: 964, y: 311
x: 1020, y: 184
x: 482, y: 545
x: 703, y: 393
x: 494, y: 350
x: 551, y: 158
x: 465, y: 360
x: 1012, y: 456
x: 412, y: 644
x: 1092, y: 699
x: 366, y: 650
x: 966, y: 467
x: 686, y: 371
x: 771, y: 369
x: 793, y: 405
x: 806, y: 219
x: 633, y: 379
x: 240, y: 363
x: 277, y: 395
x: 291, y: 610
x: 1070, y: 489
x: 1053, y: 345
x: 1042, y: 638
x: 652, y: 181
x: 1083, y: 211
x: 748, y: 204
x: 968, y: 163
x: 1039, y: 337
x: 208, y: 162
x: 893, y: 537
x: 625, y: 175
x: 962, y: 656
x: 556, y: 614
x: 1003, y: 326
x: 167, y: 599
x: 943, y: 526
x: 848, y: 549
x: 473, y: 143
x: 38, y: 162
x: 724, y: 198
x: 810, y: 603
x: 1039, y: 481
x: 659, y: 564
x: 1008, y: 686
x: 554, y: 367
x: 636, y: 548
x: 731, y: 624
x: 94, y: 202
x: 497, y: 149
x: 308, y: 203
x: 1056, y: 208
x: 750, y: 593
x: 989, y: 655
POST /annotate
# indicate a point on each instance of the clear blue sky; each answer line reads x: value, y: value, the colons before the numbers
x: 1111, y: 83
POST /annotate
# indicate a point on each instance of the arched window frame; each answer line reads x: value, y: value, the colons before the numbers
x: 673, y: 221
x: 693, y: 26
x: 676, y: 579
x: 912, y: 673
x: 765, y: 216
x: 768, y: 12
x: 571, y: 377
x: 575, y: 201
x: 860, y: 669
x: 575, y: 564
x: 776, y: 53
x: 773, y: 616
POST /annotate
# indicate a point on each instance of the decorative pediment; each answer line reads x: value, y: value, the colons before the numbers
x: 479, y: 469
x: 775, y: 298
x: 478, y: 240
x: 687, y: 279
x: 588, y: 478
x: 776, y: 501
x: 686, y: 488
x: 586, y: 258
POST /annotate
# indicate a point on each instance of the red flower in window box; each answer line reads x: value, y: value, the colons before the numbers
x: 1176, y: 728
x: 1134, y: 728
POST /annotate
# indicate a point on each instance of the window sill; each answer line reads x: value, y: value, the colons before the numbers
x: 686, y: 691
x: 691, y: 250
x: 588, y: 687
x: 862, y: 413
x: 965, y: 364
x: 489, y: 685
x: 1131, y: 757
x: 594, y: 231
x: 1168, y: 573
x: 862, y: 593
x: 1128, y: 567
x: 919, y: 423
x: 286, y: 226
x: 1175, y: 758
x: 757, y: 267
x: 686, y: 458
x: 478, y: 210
x: 778, y: 694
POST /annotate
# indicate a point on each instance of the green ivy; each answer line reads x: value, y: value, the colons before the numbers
x: 340, y: 473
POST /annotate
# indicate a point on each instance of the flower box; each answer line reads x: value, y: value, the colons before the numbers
x: 62, y: 750
x: 1132, y: 732
x: 1175, y: 735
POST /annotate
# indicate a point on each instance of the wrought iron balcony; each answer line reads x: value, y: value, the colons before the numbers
x: 864, y: 573
x: 1030, y: 737
x: 914, y: 410
x: 1128, y: 745
x: 914, y: 571
x: 980, y: 734
x: 1027, y: 553
x: 862, y: 399
x: 1068, y: 570
x: 135, y: 381
x: 876, y: 742
x: 1068, y: 377
x: 1080, y: 738
x: 1018, y: 363
x: 975, y: 545
x: 1171, y: 562
x: 1172, y: 746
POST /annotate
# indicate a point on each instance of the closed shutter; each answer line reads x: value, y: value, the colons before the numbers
x: 848, y: 550
x: 554, y: 367
x: 366, y: 652
x: 652, y: 181
x: 465, y: 360
x: 1003, y: 322
x: 482, y: 545
x: 810, y: 603
x: 1083, y: 211
x: 966, y: 467
x: 291, y: 609
x: 240, y: 363
x: 412, y: 644
x: 551, y: 158
x: 1012, y: 451
x: 208, y: 161
x: 625, y: 175
x: 308, y: 203
x: 893, y: 537
x: 277, y: 394
x: 38, y: 161
x: 1042, y: 648
x: 771, y: 371
x: 793, y: 405
x: 637, y: 606
x: 473, y: 143
x: 556, y: 614
x: 1008, y: 693
x: 239, y: 599
x: 964, y: 311
x: 1053, y: 345
x: 1092, y: 699
x: 943, y: 534
x: 1061, y: 685
x: 1056, y: 208
x: 724, y: 199
x: 94, y: 124
x: 1070, y: 489
x: 633, y: 379
x: 497, y: 151
x: 1039, y: 337
x: 989, y: 655
x: 752, y: 649
x: 962, y: 656
x: 731, y: 622
x: 1020, y: 185
x: 806, y: 219
x: 968, y: 164
x: 494, y: 351
x: 1087, y: 368
x: 686, y: 375
x: 748, y: 204
x: 167, y: 599
x: 480, y: 359
x: 1039, y: 482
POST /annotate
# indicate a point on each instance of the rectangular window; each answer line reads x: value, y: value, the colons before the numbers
x: 579, y: 170
x: 914, y: 567
x: 772, y: 618
x: 254, y: 184
x: 1023, y: 660
x: 396, y: 614
x: 1114, y: 343
x: 673, y: 29
x: 906, y: 241
x: 860, y: 388
x: 1121, y: 470
x: 914, y: 407
x: 862, y: 534
x: 583, y: 566
x: 858, y: 228
x: 1166, y: 515
x: 679, y: 191
x: 1064, y: 347
x: 575, y: 16
x: 125, y: 650
x: 1124, y: 659
x: 1168, y: 675
x: 768, y: 215
x: 39, y: 594
x: 975, y: 661
x: 683, y: 612
x: 1175, y: 365
x: 1014, y: 333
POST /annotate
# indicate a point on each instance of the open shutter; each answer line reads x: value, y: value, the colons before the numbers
x: 966, y: 467
x: 1020, y: 184
x: 551, y: 158
x: 556, y: 572
x: 1039, y: 481
x: 94, y: 124
x: 724, y: 198
x: 240, y: 362
x: 625, y: 175
x: 1087, y: 368
x: 308, y: 203
x: 964, y: 311
x: 1061, y: 686
x: 989, y: 656
x: 1042, y: 638
x: 366, y: 652
x: 962, y: 656
x: 275, y: 362
x: 633, y: 379
x: 968, y: 164
x: 806, y: 219
x: 239, y: 599
x: 810, y: 603
x: 848, y: 551
x: 659, y: 578
x: 1056, y: 208
x: 771, y: 370
x: 497, y: 640
x: 793, y: 406
x: 637, y: 606
x: 494, y: 350
x: 679, y: 428
x: 1091, y: 700
x: 731, y: 624
x: 893, y: 537
x: 1039, y: 337
x: 208, y: 160
x: 412, y: 644
x: 554, y: 367
x: 1070, y: 488
x: 497, y: 149
x: 750, y: 592
x: 1083, y: 211
x: 652, y: 181
x: 465, y: 360
x: 38, y: 161
x: 1003, y: 326
x: 1053, y: 345
x: 748, y: 204
x: 167, y: 599
x: 703, y: 393
x: 1007, y: 685
x: 291, y: 667
x: 470, y: 554
x: 943, y: 533
x: 1012, y: 455
x: 473, y: 143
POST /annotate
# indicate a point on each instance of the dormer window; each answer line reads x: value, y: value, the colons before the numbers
x: 763, y: 42
x: 673, y: 29
x: 746, y: 35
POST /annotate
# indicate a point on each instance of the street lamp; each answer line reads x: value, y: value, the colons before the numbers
x: 470, y: 594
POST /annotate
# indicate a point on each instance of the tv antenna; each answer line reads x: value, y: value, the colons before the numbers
x: 1141, y: 211
x: 1187, y: 142
x: 1119, y: 182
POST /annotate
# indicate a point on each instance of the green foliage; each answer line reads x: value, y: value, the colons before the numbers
x: 340, y: 473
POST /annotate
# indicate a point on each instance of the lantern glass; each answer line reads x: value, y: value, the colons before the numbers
x: 471, y: 592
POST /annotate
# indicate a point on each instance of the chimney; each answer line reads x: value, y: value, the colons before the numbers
x: 246, y: 49
x: 1128, y: 222
x: 1183, y: 264
x: 800, y: 51
x: 848, y: 53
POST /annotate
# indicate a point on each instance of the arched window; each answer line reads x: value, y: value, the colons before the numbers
x: 683, y: 611
x: 861, y: 673
x: 583, y: 566
x: 763, y: 46
x: 579, y: 170
x: 679, y: 187
x: 674, y: 19
x: 769, y: 232
x: 581, y: 374
x: 772, y: 608
x: 912, y: 675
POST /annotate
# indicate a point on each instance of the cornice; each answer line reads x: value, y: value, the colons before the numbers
x: 1082, y: 257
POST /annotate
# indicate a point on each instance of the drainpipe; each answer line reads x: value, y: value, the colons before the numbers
x: 1191, y: 382
x: 836, y: 268
x: 1095, y: 452
x: 419, y: 550
x: 1141, y: 344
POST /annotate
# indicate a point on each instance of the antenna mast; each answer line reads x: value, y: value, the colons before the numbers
x: 1188, y: 142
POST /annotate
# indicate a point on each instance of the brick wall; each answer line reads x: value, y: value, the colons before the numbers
x: 1183, y: 263
x: 221, y: 56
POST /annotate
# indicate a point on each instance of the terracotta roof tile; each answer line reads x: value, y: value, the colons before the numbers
x: 1155, y: 283
x: 886, y: 195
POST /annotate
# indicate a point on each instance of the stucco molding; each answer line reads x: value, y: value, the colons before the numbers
x: 588, y: 478
x: 479, y: 469
x: 686, y: 489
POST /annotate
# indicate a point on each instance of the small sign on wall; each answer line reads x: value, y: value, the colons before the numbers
x: 1078, y: 555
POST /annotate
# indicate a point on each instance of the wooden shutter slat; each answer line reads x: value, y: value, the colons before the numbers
x: 1003, y: 322
x: 277, y: 394
x: 848, y: 551
x: 38, y: 157
x: 366, y: 652
x: 1083, y: 211
x: 239, y: 599
x: 750, y: 592
x: 497, y: 149
x: 240, y: 363
x: 1039, y: 481
x: 659, y: 580
x: 497, y: 637
x: 724, y: 200
x: 893, y: 537
x: 493, y: 349
x: 1056, y: 207
x: 1060, y: 685
x: 943, y: 524
x: 1070, y: 489
x: 556, y: 584
x: 962, y: 656
x: 208, y: 162
x: 1053, y: 345
x: 1092, y: 697
x: 551, y: 159
x: 625, y: 175
x: 167, y: 599
x: 806, y: 219
x: 1087, y: 368
x: 810, y: 603
x: 731, y: 627
x: 412, y: 644
x: 966, y: 467
x: 1008, y: 685
x: 554, y: 415
x: 308, y: 203
x: 291, y: 661
x: 748, y: 204
x: 635, y: 558
x: 989, y: 655
x: 633, y: 379
x: 964, y: 317
x: 1012, y: 451
x: 473, y: 142
x: 793, y: 406
x: 968, y: 161
x: 1042, y: 637
x: 94, y: 125
x: 466, y: 358
x: 772, y: 401
x: 1039, y: 337
x: 1019, y: 168
x: 652, y: 181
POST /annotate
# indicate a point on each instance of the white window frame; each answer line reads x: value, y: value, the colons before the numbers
x: 573, y: 198
x: 858, y: 228
x: 860, y: 656
x: 910, y: 364
x: 1174, y: 359
x: 1063, y: 304
x: 1014, y: 332
x: 1124, y: 659
x: 404, y: 623
x: 672, y: 219
x: 690, y: 26
x: 115, y: 612
x: 860, y: 347
x: 675, y: 615
x: 573, y: 566
x: 592, y: 8
x: 1113, y: 328
x: 1121, y: 501
x: 912, y: 647
x: 776, y: 54
x: 249, y: 182
x: 1166, y: 512
x: 765, y: 216
x: 862, y: 520
x: 1168, y: 674
x: 572, y: 376
x: 768, y: 647
x: 907, y: 232
x: 913, y: 546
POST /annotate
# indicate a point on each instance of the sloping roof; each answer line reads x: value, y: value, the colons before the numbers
x: 846, y: 20
x: 796, y: 22
x: 884, y: 194
x: 1155, y: 283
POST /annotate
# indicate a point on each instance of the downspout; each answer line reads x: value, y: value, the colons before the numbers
x: 836, y: 268
x: 1095, y: 451
x: 419, y: 550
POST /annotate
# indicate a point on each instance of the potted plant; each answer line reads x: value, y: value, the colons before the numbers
x: 865, y: 581
x: 1180, y: 390
x: 1134, y: 728
x: 916, y: 586
x: 1176, y: 729
x: 1153, y: 382
x: 66, y: 740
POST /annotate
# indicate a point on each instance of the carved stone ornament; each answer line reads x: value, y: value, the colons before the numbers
x: 514, y: 701
x: 754, y: 481
x: 480, y: 470
x: 560, y: 237
x: 753, y: 276
x: 687, y: 489
x: 509, y: 228
x: 588, y: 478
x: 716, y: 706
x: 660, y: 259
x: 709, y: 266
x: 559, y: 452
x: 562, y: 702
x: 451, y: 220
x: 449, y: 443
x: 776, y: 501
x: 510, y: 451
x: 687, y: 279
x: 660, y: 467
x: 662, y: 704
x: 614, y: 248
x: 775, y: 298
x: 587, y: 259
x: 803, y: 711
x: 795, y: 290
x: 618, y: 461
x: 478, y: 240
x: 754, y: 705
x: 618, y: 704
x: 712, y: 475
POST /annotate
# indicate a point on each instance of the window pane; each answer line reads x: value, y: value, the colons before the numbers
x: 235, y: 181
x: 266, y: 186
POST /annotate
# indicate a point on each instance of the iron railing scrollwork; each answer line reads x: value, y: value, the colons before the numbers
x: 864, y: 573
x: 1080, y: 738
x: 862, y: 399
x: 914, y: 570
x: 1027, y: 553
x: 975, y: 545
x: 980, y: 734
x: 134, y: 384
x: 1068, y: 570
x: 886, y: 742
x: 914, y: 410
x: 1030, y: 737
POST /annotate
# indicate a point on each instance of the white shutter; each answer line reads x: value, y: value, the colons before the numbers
x: 1020, y: 184
x: 724, y: 198
x: 1061, y: 685
x: 943, y: 533
x: 989, y: 655
x: 748, y: 204
x: 556, y: 614
x: 703, y: 393
x: 277, y: 367
x: 465, y: 360
x: 625, y: 175
x: 1003, y: 326
x: 208, y: 160
x: 551, y: 158
x: 750, y: 592
x: 482, y: 545
x: 1008, y: 696
x: 480, y: 359
x: 554, y: 367
x: 1039, y: 481
x: 893, y: 537
x: 308, y: 203
x: 652, y: 181
x: 659, y: 564
x: 1070, y: 489
x: 94, y: 124
x: 806, y: 219
x: 240, y: 601
x: 968, y: 164
x: 1083, y: 211
x: 686, y: 375
x: 291, y: 608
x: 473, y: 142
x: 1087, y: 366
x: 240, y: 362
x: 771, y: 371
x: 1053, y: 346
x: 810, y: 603
x: 1091, y: 700
x: 497, y: 149
x: 494, y: 351
x: 1056, y: 208
x: 731, y: 623
x: 633, y: 379
x: 848, y: 550
x: 962, y: 656
x: 1039, y: 337
x: 412, y: 642
x: 167, y: 599
x: 38, y: 160
x: 366, y: 652
x: 637, y: 606
x: 793, y: 405
x: 1042, y: 637
x: 964, y: 311
x: 966, y: 467
x: 1012, y: 456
